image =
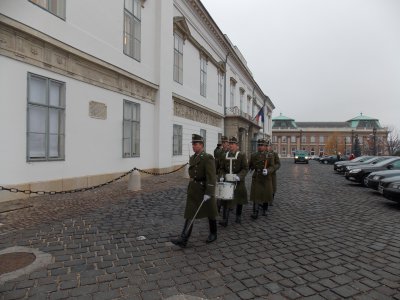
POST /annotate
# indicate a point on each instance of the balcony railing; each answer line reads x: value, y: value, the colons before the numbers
x: 236, y: 112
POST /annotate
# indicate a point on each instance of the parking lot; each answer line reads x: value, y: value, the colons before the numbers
x: 324, y: 238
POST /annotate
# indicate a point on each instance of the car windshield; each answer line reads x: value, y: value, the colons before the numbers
x: 371, y: 160
x: 301, y: 152
x: 386, y: 161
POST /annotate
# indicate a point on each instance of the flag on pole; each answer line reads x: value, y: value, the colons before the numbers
x: 260, y: 114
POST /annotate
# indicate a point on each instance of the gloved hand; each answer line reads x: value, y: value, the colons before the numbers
x: 237, y: 178
x: 206, y: 197
x: 221, y: 179
x: 265, y: 172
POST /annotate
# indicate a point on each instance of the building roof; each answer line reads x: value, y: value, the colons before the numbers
x: 281, y: 118
x: 323, y: 124
x: 362, y: 117
x: 364, y: 121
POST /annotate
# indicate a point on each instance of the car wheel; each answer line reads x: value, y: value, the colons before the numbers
x: 325, y: 162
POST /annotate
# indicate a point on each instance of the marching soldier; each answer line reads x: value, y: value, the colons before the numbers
x: 219, y: 162
x: 261, y: 184
x: 201, y: 191
x: 240, y: 169
x: 277, y: 166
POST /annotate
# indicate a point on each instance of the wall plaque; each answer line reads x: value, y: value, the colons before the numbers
x: 97, y: 110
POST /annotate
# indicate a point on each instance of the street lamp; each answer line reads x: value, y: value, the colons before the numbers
x: 374, y: 136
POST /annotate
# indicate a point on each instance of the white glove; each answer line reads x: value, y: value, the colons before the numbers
x: 265, y: 172
x: 237, y: 178
x: 221, y: 179
x: 206, y: 197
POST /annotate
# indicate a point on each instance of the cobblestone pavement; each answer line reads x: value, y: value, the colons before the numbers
x: 323, y: 239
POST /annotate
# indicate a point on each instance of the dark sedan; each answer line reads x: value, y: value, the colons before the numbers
x: 373, y: 179
x: 360, y: 172
x: 390, y: 188
x: 328, y: 159
x: 339, y: 165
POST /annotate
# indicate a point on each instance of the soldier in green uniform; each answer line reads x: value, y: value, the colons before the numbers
x: 261, y: 184
x: 219, y: 162
x: 239, y: 168
x: 277, y: 166
x: 201, y: 189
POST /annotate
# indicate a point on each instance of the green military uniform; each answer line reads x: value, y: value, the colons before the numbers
x: 261, y: 185
x: 277, y: 166
x: 200, y: 193
x: 202, y: 182
x: 240, y: 168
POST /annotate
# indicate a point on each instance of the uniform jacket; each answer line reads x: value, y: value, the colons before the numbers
x: 277, y: 166
x: 240, y: 168
x: 202, y: 182
x: 261, y: 185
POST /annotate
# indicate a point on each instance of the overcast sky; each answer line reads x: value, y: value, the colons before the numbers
x: 320, y: 60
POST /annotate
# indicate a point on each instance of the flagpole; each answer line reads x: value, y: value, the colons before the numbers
x: 264, y: 118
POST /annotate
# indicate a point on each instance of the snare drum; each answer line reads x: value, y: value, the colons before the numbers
x: 224, y: 190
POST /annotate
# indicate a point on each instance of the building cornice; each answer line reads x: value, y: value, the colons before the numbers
x: 25, y: 44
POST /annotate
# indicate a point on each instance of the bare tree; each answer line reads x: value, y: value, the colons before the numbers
x: 393, y: 142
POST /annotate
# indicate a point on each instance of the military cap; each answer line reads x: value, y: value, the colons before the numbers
x: 233, y: 140
x: 261, y: 142
x: 224, y: 139
x: 197, y: 138
x: 269, y: 143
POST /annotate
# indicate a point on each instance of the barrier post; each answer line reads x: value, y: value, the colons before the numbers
x: 134, y: 183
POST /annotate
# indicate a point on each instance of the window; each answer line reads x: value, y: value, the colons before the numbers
x: 232, y: 93
x: 131, y: 129
x: 46, y: 119
x: 56, y: 7
x: 178, y: 58
x: 293, y: 139
x: 284, y: 139
x: 203, y: 76
x: 312, y: 139
x: 220, y: 87
x: 274, y: 140
x: 303, y: 139
x: 284, y: 151
x: 132, y: 28
x: 249, y: 105
x: 241, y: 100
x: 177, y: 140
x: 203, y: 134
x: 321, y: 139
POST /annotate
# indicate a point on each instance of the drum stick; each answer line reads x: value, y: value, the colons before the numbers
x: 192, y: 221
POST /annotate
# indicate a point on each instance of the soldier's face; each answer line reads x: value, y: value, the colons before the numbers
x: 233, y: 147
x: 225, y: 145
x: 260, y: 148
x: 197, y: 147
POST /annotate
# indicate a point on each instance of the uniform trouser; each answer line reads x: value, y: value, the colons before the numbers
x: 239, y: 209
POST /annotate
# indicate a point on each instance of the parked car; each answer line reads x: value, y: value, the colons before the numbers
x: 373, y: 179
x: 328, y: 159
x: 360, y: 172
x: 372, y: 161
x: 300, y: 156
x: 314, y: 157
x: 390, y: 189
x: 339, y: 165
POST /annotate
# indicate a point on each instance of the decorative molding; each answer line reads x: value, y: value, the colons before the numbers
x: 191, y: 111
x: 27, y: 45
x: 97, y: 110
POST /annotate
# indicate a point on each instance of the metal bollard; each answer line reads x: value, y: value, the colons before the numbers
x: 134, y: 183
x: 186, y: 172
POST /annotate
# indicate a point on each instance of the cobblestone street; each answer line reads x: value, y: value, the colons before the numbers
x: 324, y: 238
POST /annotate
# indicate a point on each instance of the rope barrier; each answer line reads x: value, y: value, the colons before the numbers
x: 28, y: 192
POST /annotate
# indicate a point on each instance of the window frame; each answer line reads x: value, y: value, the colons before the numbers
x: 49, y: 8
x: 134, y: 140
x: 47, y: 107
x: 178, y: 58
x: 135, y: 28
x: 203, y: 76
x: 220, y: 87
x: 203, y: 134
x: 177, y: 139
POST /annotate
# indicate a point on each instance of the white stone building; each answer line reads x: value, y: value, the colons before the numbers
x: 90, y: 89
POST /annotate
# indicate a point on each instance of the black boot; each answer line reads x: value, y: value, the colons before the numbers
x: 239, y: 208
x: 265, y: 208
x: 183, y: 239
x: 225, y: 216
x: 255, y: 211
x: 213, y: 231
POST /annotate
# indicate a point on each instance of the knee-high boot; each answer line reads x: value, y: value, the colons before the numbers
x: 183, y: 239
x: 213, y: 231
x: 255, y: 211
x: 265, y: 208
x: 225, y: 216
x: 239, y: 209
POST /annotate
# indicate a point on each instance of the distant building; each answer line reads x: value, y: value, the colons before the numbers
x: 324, y: 138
